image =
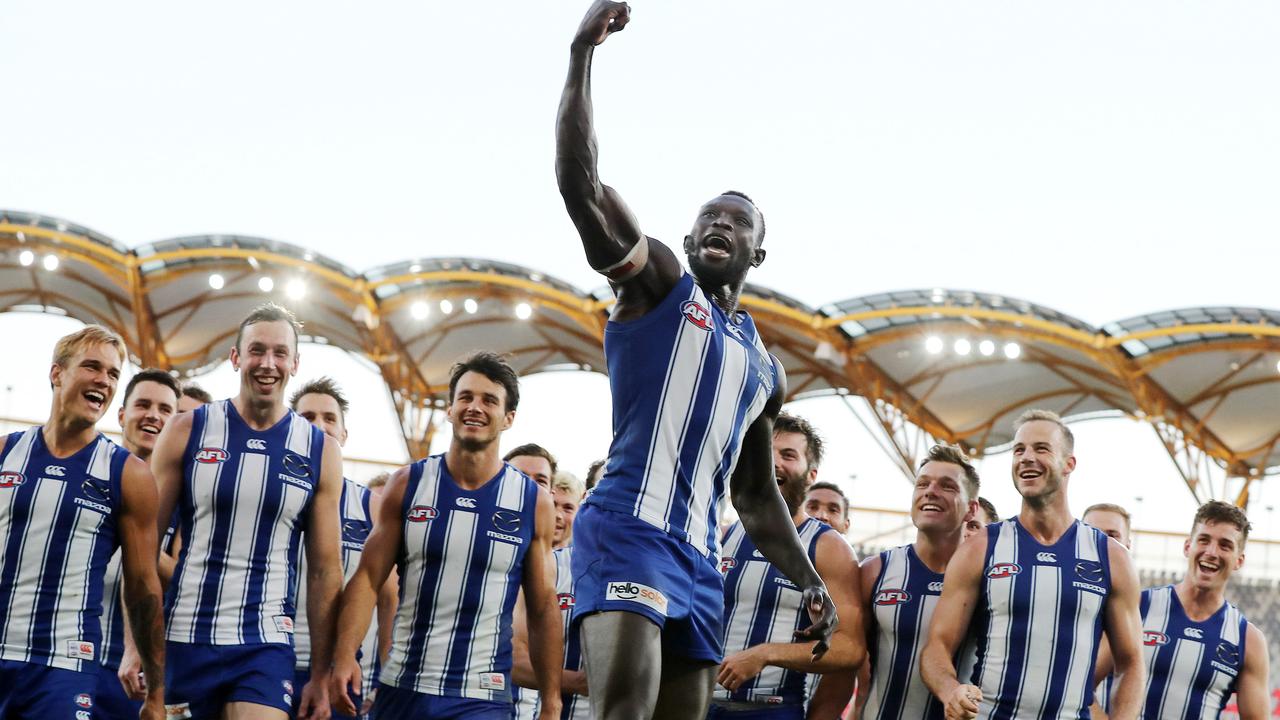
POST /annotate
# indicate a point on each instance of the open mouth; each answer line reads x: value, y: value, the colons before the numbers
x: 149, y: 429
x: 474, y: 422
x: 96, y: 399
x: 266, y: 381
x: 1029, y: 474
x: 1208, y: 568
x: 931, y: 507
x: 717, y: 245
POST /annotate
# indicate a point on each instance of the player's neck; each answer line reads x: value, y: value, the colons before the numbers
x: 936, y: 548
x: 137, y: 451
x: 259, y: 415
x: 1199, y: 603
x: 472, y: 468
x: 1046, y: 523
x: 65, y: 436
x: 725, y: 296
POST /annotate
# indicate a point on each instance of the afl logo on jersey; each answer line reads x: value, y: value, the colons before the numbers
x: 1228, y: 654
x: 1003, y: 570
x: 566, y: 600
x: 421, y: 513
x: 296, y: 465
x: 507, y: 521
x: 9, y: 479
x: 1089, y: 571
x: 697, y: 314
x: 727, y: 564
x: 1151, y: 638
x: 892, y: 597
x: 211, y: 455
x: 84, y: 700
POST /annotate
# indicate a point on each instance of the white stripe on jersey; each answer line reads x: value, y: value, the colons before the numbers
x: 1079, y: 679
x: 915, y: 700
x: 1189, y: 656
x: 17, y: 627
x: 203, y: 484
x: 993, y: 662
x: 712, y: 447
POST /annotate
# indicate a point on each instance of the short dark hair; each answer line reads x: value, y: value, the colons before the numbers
x: 493, y: 366
x: 956, y: 456
x: 813, y: 446
x: 744, y: 196
x: 824, y: 485
x: 323, y: 385
x: 155, y: 375
x: 532, y: 450
x: 595, y: 471
x: 269, y: 312
x: 989, y: 510
x: 195, y: 392
x: 1216, y: 511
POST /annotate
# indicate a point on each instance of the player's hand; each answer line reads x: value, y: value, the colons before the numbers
x: 602, y: 20
x: 822, y: 611
x: 962, y: 704
x: 740, y: 667
x: 152, y: 709
x: 130, y: 674
x: 314, y: 704
x: 342, y: 679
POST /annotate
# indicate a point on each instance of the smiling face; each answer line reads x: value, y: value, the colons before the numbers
x: 477, y: 412
x: 939, y: 502
x: 84, y: 387
x: 827, y: 506
x: 791, y: 468
x: 1214, y: 551
x: 266, y: 358
x: 323, y: 411
x: 143, y: 415
x: 725, y: 241
x: 1041, y: 465
x: 566, y: 511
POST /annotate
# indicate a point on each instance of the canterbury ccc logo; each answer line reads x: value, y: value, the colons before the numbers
x: 697, y: 314
x: 55, y: 471
x: 1151, y: 638
x: 466, y: 502
x: 256, y: 444
x: 892, y: 597
x: 211, y: 455
x: 1003, y: 570
x: 421, y: 513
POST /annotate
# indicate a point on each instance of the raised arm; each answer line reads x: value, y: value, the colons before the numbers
x: 764, y: 514
x: 542, y: 612
x: 1123, y: 625
x: 361, y: 593
x: 140, y: 581
x: 643, y: 271
x: 324, y: 578
x: 960, y: 589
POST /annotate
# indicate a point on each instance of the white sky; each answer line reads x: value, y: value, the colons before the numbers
x: 1104, y: 159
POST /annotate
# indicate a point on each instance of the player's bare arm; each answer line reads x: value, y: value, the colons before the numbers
x: 838, y: 568
x: 642, y: 271
x: 140, y: 582
x: 1102, y: 667
x: 545, y: 628
x: 324, y: 577
x: 835, y: 689
x: 166, y: 466
x: 768, y: 523
x: 1123, y: 626
x: 1252, y: 695
x: 960, y: 590
x: 361, y: 593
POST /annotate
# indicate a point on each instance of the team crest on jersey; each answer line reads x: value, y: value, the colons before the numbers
x: 697, y: 314
x: 1003, y: 570
x: 211, y: 455
x: 1228, y: 654
x: 1152, y: 638
x: 727, y: 564
x: 507, y: 521
x: 296, y: 465
x: 354, y: 531
x: 11, y: 479
x: 893, y: 597
x: 1089, y: 571
x: 96, y: 489
x: 421, y: 513
x: 566, y: 600
x: 84, y: 700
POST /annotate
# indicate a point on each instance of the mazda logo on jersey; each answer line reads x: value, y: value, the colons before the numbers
x: 1228, y: 654
x: 1003, y: 570
x: 96, y: 489
x: 1151, y: 638
x: 727, y: 564
x: 566, y: 600
x: 211, y: 455
x: 11, y: 479
x: 507, y: 521
x: 892, y: 597
x: 421, y: 513
x: 355, y: 531
x: 697, y: 314
x: 1089, y: 571
x: 297, y: 465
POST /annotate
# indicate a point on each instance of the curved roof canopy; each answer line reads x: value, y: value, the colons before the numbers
x: 943, y: 364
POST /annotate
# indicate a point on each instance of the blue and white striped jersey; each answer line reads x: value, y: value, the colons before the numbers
x: 244, y: 503
x: 113, y: 609
x: 762, y: 606
x: 1192, y: 667
x: 1038, y: 622
x: 460, y: 568
x: 58, y: 529
x: 357, y: 523
x: 902, y: 603
x: 575, y: 707
x: 687, y: 381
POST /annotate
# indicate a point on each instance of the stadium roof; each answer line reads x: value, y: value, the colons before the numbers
x: 931, y: 364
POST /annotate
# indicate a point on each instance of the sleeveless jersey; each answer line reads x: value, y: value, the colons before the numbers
x: 58, y: 529
x: 902, y: 602
x: 1192, y: 667
x: 357, y: 523
x: 461, y: 561
x: 687, y: 381
x: 1038, y: 622
x: 244, y: 504
x: 574, y: 707
x: 113, y: 609
x: 762, y: 606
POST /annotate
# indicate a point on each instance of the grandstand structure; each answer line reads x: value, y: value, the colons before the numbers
x: 930, y: 365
